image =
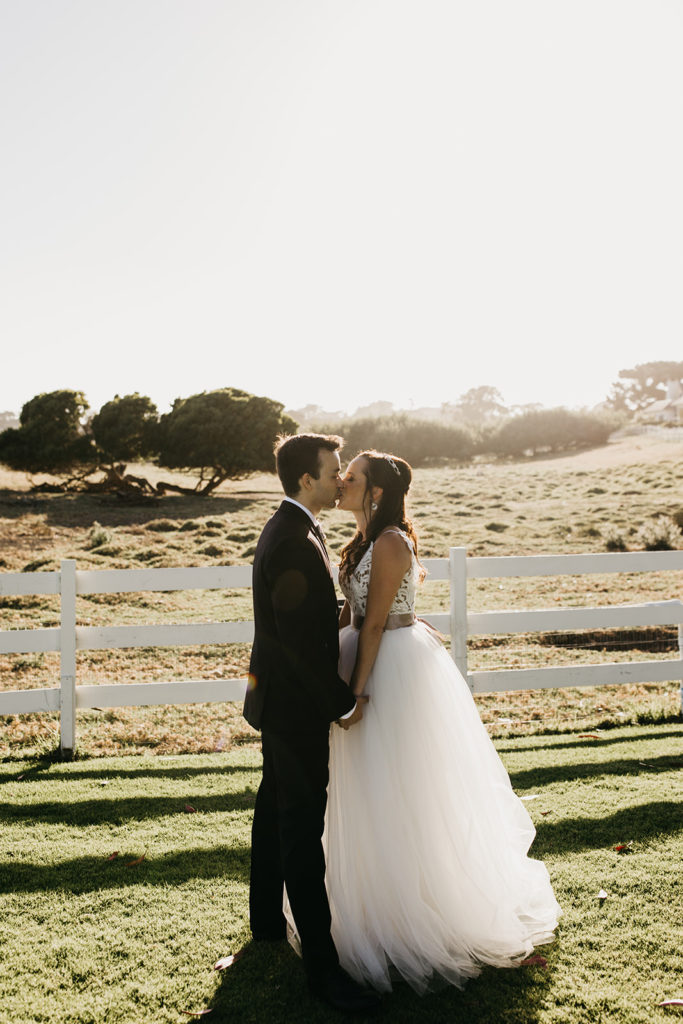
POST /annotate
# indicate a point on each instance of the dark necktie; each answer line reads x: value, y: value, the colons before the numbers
x: 318, y: 531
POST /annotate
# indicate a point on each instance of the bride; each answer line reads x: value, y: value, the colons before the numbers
x: 426, y: 843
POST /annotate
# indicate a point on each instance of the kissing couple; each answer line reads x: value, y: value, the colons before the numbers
x: 387, y: 841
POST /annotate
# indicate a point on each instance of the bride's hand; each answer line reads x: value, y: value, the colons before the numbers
x: 357, y: 714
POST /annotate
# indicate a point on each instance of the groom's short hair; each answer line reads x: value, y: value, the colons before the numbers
x: 296, y: 454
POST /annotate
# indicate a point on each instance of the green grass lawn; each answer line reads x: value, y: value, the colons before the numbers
x: 86, y: 936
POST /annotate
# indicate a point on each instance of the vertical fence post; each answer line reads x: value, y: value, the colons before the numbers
x: 67, y: 658
x: 458, y: 609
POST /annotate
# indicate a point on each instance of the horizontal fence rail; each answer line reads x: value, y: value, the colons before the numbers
x: 69, y: 638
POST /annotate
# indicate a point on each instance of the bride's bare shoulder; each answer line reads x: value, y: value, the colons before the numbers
x: 391, y: 546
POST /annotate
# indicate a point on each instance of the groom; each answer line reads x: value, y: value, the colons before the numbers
x: 294, y: 694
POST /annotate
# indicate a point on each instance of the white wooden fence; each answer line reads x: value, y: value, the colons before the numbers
x: 68, y: 638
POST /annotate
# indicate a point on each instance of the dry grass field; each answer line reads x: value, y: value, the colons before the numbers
x: 563, y: 505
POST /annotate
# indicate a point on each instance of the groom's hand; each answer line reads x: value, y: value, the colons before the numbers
x: 356, y: 715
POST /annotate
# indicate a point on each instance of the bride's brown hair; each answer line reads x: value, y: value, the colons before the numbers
x: 394, y: 476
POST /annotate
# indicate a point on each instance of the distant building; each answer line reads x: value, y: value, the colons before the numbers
x: 666, y: 410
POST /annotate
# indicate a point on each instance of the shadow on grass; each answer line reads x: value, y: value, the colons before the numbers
x: 95, y: 810
x: 83, y: 509
x: 268, y: 983
x: 92, y: 874
x: 119, y: 811
x: 150, y: 770
x: 641, y: 822
x: 536, y: 777
x: 602, y: 741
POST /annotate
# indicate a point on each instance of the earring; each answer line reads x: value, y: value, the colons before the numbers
x: 374, y: 506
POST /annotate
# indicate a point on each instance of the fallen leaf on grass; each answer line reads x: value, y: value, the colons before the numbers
x: 546, y: 812
x: 671, y: 1002
x: 624, y: 847
x: 602, y: 895
x: 104, y: 782
x: 646, y: 764
x: 227, y: 961
x: 534, y: 961
x: 195, y: 1013
x: 588, y: 736
x: 189, y: 809
x: 113, y: 856
x: 132, y: 863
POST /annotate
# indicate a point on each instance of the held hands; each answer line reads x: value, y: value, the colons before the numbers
x: 357, y: 714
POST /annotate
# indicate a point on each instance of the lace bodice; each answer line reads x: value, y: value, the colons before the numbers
x: 355, y: 588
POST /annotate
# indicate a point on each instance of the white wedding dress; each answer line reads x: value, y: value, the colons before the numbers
x: 425, y: 842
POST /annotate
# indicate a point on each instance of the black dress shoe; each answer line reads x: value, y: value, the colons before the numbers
x: 336, y: 988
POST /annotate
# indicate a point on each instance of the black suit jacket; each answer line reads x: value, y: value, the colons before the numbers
x: 293, y: 680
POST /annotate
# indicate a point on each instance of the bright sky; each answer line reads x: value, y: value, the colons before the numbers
x: 339, y: 202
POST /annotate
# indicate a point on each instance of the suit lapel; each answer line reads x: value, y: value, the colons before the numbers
x: 288, y: 509
x: 319, y: 543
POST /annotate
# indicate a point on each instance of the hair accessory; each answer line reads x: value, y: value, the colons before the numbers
x: 393, y: 465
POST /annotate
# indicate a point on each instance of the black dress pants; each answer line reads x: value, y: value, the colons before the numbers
x: 289, y: 817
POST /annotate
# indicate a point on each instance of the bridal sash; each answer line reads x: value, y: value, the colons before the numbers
x: 396, y: 621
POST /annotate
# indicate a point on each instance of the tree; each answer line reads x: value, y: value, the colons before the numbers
x: 480, y: 404
x: 125, y: 428
x: 52, y: 435
x: 647, y: 383
x: 224, y: 433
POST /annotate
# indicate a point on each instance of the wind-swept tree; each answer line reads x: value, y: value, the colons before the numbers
x: 642, y: 384
x: 125, y: 430
x: 217, y: 434
x: 52, y: 436
x: 222, y: 434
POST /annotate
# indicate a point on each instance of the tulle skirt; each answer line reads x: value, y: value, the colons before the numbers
x: 426, y: 843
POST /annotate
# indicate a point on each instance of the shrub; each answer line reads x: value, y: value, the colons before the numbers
x: 162, y: 525
x: 38, y: 563
x: 548, y: 430
x: 25, y: 663
x: 212, y: 549
x: 97, y: 536
x: 614, y: 539
x: 416, y: 441
x: 660, y: 535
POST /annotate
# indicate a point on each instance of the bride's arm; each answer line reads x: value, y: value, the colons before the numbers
x: 345, y: 615
x: 390, y: 561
